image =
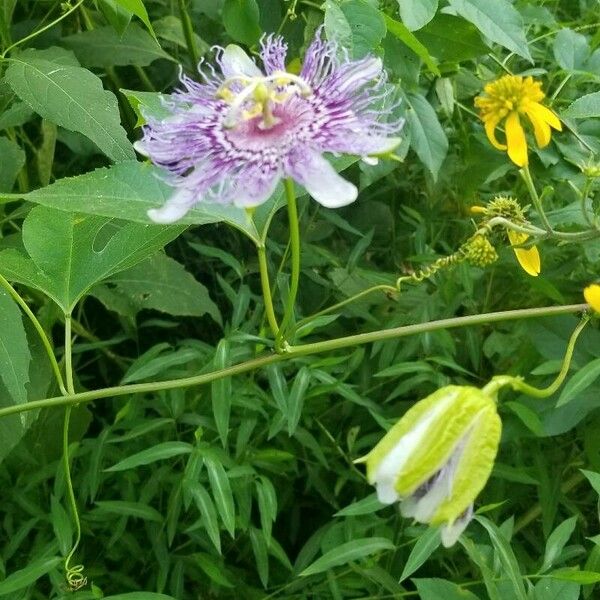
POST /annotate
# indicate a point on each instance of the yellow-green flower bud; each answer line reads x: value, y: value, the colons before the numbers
x: 438, y: 457
x: 479, y: 251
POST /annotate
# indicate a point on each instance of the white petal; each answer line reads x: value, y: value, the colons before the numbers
x: 322, y: 181
x: 176, y: 207
x: 363, y: 72
x: 140, y: 148
x: 451, y: 533
x: 235, y: 61
x: 389, y: 468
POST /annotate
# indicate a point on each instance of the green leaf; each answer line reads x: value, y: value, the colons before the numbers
x: 585, y: 107
x: 71, y: 97
x: 139, y: 596
x: 417, y: 13
x: 366, y: 506
x: 240, y: 18
x: 337, y: 28
x: 28, y: 575
x: 213, y: 568
x: 367, y: 26
x: 580, y: 382
x: 571, y: 49
x: 137, y: 8
x: 498, y: 20
x: 554, y: 589
x: 126, y: 191
x: 582, y: 577
x: 267, y: 505
x: 259, y: 548
x: 296, y: 398
x: 14, y: 350
x: 13, y: 159
x: 221, y: 392
x: 593, y: 478
x: 221, y: 490
x: 151, y: 455
x: 438, y: 589
x: 428, y: 139
x: 68, y: 253
x: 158, y: 283
x: 400, y: 31
x: 557, y: 541
x: 207, y: 510
x: 451, y: 39
x: 104, y: 47
x: 138, y: 510
x: 348, y: 552
x: 426, y: 545
x: 506, y: 555
x: 145, y: 104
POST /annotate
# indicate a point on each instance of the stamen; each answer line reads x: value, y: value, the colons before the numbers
x: 257, y: 94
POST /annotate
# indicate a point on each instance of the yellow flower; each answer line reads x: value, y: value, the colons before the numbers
x: 507, y: 98
x: 529, y: 258
x: 592, y: 296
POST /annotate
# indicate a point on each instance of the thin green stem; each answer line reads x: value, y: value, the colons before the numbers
x: 40, y: 331
x: 526, y: 175
x: 45, y: 28
x: 74, y: 573
x: 266, y: 288
x: 188, y: 32
x: 519, y: 385
x: 383, y: 287
x: 295, y: 256
x: 303, y: 350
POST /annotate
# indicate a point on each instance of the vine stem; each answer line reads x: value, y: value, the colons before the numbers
x: 74, y: 573
x: 40, y: 330
x: 188, y: 32
x: 295, y: 351
x: 266, y: 287
x: 36, y: 33
x: 518, y: 384
x: 376, y: 288
x: 295, y: 257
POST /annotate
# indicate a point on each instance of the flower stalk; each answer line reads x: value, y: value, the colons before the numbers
x: 294, y: 226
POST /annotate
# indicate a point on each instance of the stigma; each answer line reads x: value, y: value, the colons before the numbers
x: 252, y: 97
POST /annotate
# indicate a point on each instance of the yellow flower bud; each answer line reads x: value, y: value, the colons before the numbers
x: 438, y: 457
x: 592, y: 296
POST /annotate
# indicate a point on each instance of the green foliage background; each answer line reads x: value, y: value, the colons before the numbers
x: 245, y: 488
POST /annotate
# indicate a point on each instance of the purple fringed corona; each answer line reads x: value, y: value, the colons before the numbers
x: 231, y: 138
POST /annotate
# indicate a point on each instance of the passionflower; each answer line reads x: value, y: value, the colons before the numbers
x: 232, y: 137
x: 509, y: 98
x: 592, y: 296
x: 437, y: 458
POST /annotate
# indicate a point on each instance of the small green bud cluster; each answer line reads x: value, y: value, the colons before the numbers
x: 479, y: 252
x: 507, y: 207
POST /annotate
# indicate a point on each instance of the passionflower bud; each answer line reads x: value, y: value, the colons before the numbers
x: 438, y: 457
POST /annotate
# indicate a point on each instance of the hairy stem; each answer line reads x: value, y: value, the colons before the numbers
x: 303, y: 350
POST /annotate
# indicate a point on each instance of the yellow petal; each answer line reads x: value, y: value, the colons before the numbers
x: 541, y: 129
x: 529, y: 258
x: 592, y: 296
x: 490, y: 130
x: 515, y: 140
x: 547, y: 115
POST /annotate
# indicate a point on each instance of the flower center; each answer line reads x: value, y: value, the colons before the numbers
x: 251, y: 97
